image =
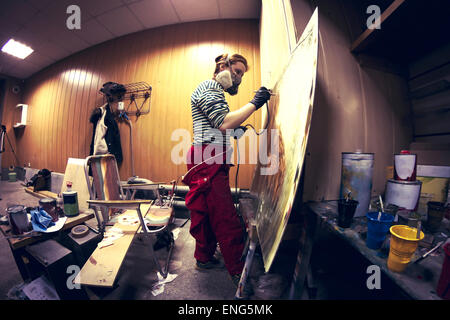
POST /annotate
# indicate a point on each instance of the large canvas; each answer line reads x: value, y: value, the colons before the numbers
x: 285, y: 144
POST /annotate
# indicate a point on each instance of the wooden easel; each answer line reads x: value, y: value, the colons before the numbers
x: 248, y: 214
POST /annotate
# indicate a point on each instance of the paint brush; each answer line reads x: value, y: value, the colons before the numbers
x: 428, y: 252
x: 419, y: 226
x: 272, y: 94
x: 382, y: 208
x: 381, y: 203
x: 348, y: 195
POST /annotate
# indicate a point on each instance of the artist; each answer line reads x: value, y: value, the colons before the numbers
x: 213, y: 215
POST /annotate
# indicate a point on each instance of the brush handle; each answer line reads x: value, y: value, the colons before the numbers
x: 381, y: 203
x: 419, y: 225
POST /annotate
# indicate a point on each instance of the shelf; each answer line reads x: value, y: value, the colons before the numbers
x: 367, y: 35
x: 136, y: 92
x: 23, y: 119
x: 410, y: 29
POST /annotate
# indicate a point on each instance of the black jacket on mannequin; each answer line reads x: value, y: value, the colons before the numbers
x: 112, y: 136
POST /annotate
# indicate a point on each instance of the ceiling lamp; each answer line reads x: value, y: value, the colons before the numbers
x: 17, y: 49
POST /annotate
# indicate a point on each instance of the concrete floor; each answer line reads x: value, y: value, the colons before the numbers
x: 138, y: 273
x: 336, y: 269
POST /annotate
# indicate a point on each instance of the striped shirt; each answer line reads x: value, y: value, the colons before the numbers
x: 209, y: 109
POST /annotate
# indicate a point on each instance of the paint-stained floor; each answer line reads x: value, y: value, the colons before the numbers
x: 138, y: 275
x: 336, y: 269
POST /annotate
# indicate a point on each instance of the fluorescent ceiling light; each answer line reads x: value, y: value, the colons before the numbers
x: 17, y: 49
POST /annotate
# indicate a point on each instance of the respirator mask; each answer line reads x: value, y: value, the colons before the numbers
x: 229, y: 80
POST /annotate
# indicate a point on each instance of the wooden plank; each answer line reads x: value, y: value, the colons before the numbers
x: 41, y: 194
x: 17, y: 243
x: 363, y: 38
x: 104, y: 264
x: 381, y: 64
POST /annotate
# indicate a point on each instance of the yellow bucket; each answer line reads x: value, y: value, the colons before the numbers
x: 403, y: 245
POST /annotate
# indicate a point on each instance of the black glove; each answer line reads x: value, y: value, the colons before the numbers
x: 261, y: 97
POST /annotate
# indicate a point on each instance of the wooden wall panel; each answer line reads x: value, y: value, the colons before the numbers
x: 172, y: 59
x: 429, y: 88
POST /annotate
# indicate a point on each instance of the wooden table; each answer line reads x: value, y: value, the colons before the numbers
x: 412, y: 281
x: 102, y: 267
x: 18, y: 245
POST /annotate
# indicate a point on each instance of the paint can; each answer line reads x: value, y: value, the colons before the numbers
x: 356, y: 177
x: 70, y: 200
x: 405, y: 166
x: 18, y: 219
x: 49, y: 206
x: 12, y: 176
x: 404, y: 194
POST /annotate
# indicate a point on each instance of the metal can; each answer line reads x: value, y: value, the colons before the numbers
x: 405, y: 166
x: 356, y: 177
x: 18, y: 219
x: 49, y: 205
x: 404, y: 194
x: 70, y: 199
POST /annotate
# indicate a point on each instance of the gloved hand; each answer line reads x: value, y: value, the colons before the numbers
x: 261, y: 97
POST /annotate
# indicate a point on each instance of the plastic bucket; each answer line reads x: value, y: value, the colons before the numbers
x: 435, y: 213
x: 377, y: 229
x: 403, y: 245
x: 346, y: 211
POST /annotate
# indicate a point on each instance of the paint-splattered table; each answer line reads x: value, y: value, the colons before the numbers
x: 18, y: 244
x: 419, y: 280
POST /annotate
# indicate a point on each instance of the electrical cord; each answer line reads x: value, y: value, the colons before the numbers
x: 244, y: 128
x: 237, y: 174
x: 238, y: 135
x: 267, y: 123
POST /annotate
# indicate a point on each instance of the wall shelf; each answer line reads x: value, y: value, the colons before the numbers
x: 23, y: 118
x: 410, y: 29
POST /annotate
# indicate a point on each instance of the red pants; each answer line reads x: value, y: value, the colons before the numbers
x: 213, y: 215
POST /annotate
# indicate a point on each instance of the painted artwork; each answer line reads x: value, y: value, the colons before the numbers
x: 275, y: 182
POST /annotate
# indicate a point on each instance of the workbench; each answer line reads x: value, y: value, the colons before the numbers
x: 18, y: 245
x: 419, y: 280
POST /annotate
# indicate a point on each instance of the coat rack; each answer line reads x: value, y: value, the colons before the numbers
x: 138, y: 94
x: 137, y: 91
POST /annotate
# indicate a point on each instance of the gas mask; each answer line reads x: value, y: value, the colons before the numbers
x: 229, y: 81
x: 233, y: 90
